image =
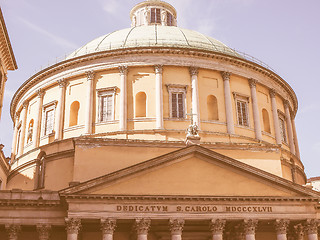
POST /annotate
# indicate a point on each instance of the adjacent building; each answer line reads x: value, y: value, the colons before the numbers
x: 7, y: 59
x: 156, y: 132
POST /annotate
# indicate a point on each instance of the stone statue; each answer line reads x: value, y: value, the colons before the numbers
x: 134, y: 21
x: 163, y: 17
x: 193, y: 130
x: 146, y: 16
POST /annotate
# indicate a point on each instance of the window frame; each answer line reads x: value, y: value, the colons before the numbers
x: 177, y: 88
x: 239, y: 97
x: 101, y: 93
x: 46, y: 108
x: 157, y: 15
x: 283, y: 130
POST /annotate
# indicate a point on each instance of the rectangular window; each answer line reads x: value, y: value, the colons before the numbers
x: 177, y: 99
x: 242, y: 111
x: 48, y: 117
x: 106, y: 108
x: 177, y: 105
x: 282, y: 126
x: 106, y: 98
x: 155, y: 15
x: 49, y: 120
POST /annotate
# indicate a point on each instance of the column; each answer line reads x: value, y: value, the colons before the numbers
x: 72, y: 227
x: 37, y: 122
x: 43, y: 231
x: 295, y: 137
x: 195, y: 95
x: 298, y: 231
x: 23, y: 116
x: 281, y: 226
x: 60, y: 109
x: 311, y: 228
x: 289, y: 126
x: 217, y: 227
x: 13, y: 231
x: 159, y: 97
x: 107, y: 228
x: 123, y: 98
x: 142, y: 227
x: 228, y: 102
x: 275, y: 116
x: 255, y: 109
x: 249, y: 227
x: 15, y: 135
x: 176, y: 227
x: 89, y: 103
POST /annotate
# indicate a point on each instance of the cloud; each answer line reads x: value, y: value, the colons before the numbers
x: 111, y: 6
x: 56, y: 39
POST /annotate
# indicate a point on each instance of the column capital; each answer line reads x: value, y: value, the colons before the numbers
x: 226, y: 76
x: 16, y: 116
x: 43, y: 231
x: 73, y: 225
x: 13, y: 231
x: 252, y: 83
x: 108, y: 225
x: 62, y: 82
x: 286, y: 104
x: 158, y: 68
x: 25, y: 104
x: 217, y: 226
x: 142, y: 226
x: 311, y: 226
x: 123, y: 69
x: 40, y: 93
x: 90, y: 75
x: 176, y: 226
x: 281, y: 226
x: 194, y: 71
x: 272, y: 92
x: 249, y: 226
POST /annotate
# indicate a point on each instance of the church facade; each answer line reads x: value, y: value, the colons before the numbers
x: 156, y: 132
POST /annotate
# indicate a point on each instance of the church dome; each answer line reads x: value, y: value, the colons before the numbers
x: 153, y: 36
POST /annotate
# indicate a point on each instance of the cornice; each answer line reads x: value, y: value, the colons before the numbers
x: 238, y: 61
x: 181, y: 198
x: 10, y: 61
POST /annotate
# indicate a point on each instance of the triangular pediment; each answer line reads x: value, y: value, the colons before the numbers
x: 192, y: 171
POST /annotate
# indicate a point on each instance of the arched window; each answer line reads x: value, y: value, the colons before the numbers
x: 141, y: 104
x: 74, y: 112
x: 212, y: 107
x: 266, y: 122
x: 30, y: 131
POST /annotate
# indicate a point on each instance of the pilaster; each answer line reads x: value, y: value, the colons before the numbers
x: 89, y: 103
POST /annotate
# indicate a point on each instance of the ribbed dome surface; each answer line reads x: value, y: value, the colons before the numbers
x: 153, y: 36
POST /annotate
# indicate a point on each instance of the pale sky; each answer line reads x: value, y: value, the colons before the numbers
x: 285, y: 34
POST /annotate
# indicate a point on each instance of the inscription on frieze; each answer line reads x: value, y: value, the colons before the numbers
x: 192, y: 209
